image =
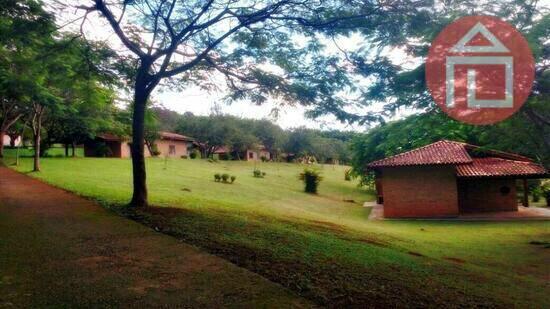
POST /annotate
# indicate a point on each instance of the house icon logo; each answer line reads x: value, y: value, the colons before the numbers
x: 480, y: 70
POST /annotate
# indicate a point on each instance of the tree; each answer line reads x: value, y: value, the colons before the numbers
x: 241, y: 141
x: 24, y: 29
x: 300, y: 142
x: 270, y: 135
x: 212, y: 132
x: 88, y: 96
x: 168, y: 119
x: 189, y: 39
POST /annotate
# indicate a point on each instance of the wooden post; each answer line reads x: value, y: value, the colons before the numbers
x: 525, y: 193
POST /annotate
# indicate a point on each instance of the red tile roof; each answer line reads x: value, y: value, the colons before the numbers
x: 174, y: 136
x: 110, y: 137
x: 222, y: 149
x: 470, y: 160
x: 494, y: 167
x: 442, y: 152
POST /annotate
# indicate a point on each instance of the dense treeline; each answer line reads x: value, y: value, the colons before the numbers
x: 216, y: 131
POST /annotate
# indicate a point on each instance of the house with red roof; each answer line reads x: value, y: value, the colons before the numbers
x: 447, y: 178
x: 109, y: 145
x: 259, y: 152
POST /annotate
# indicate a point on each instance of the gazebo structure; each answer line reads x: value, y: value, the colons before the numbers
x: 447, y: 178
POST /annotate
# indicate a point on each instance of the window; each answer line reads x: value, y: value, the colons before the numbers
x: 251, y: 155
x: 172, y: 149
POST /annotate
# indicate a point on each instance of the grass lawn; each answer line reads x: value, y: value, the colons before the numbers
x: 322, y: 246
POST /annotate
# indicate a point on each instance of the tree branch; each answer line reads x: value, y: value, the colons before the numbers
x: 132, y: 46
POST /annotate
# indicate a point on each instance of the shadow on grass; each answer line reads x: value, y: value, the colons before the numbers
x: 281, y: 251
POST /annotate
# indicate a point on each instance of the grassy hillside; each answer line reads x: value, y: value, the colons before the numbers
x: 322, y: 246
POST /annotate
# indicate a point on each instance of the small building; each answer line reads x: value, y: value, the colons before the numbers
x: 11, y: 140
x: 225, y: 153
x: 174, y: 145
x: 447, y: 178
x: 110, y: 145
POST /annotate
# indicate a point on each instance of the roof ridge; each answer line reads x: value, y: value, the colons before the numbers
x: 505, y: 159
x: 442, y: 141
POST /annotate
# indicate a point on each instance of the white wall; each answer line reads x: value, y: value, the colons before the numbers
x: 6, y: 141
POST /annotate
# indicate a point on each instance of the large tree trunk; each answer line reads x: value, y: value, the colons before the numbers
x: 73, y: 148
x: 13, y: 139
x: 5, y: 124
x: 66, y: 150
x: 2, y: 134
x: 139, y: 196
x: 37, y: 128
x: 37, y: 151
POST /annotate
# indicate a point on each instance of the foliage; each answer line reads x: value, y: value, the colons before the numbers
x: 545, y: 188
x: 258, y: 173
x: 347, y: 175
x: 194, y: 154
x: 233, y: 178
x: 311, y: 178
x: 305, y: 142
x: 536, y: 193
x: 215, y: 132
x: 217, y: 177
x: 225, y: 177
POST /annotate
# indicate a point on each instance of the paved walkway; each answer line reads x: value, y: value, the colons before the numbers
x: 60, y: 250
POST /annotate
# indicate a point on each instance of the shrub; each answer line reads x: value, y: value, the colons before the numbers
x: 155, y: 150
x: 258, y: 173
x: 233, y: 179
x: 263, y: 158
x: 194, y: 154
x: 546, y: 191
x: 537, y: 192
x: 347, y: 175
x: 311, y: 179
x: 225, y: 177
x: 184, y: 157
x: 217, y: 177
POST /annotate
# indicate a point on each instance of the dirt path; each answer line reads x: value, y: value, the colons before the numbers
x: 57, y: 249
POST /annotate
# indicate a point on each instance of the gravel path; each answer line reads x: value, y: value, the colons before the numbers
x: 60, y: 250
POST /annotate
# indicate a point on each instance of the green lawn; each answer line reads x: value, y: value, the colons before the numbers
x: 322, y: 246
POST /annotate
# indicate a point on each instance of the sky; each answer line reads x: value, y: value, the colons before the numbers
x: 201, y: 102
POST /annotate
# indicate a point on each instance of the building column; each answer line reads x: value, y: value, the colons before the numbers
x: 525, y: 193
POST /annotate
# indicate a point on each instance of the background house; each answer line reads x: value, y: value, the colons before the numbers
x: 110, y: 145
x: 174, y: 145
x: 225, y: 153
x: 447, y: 178
x: 8, y: 141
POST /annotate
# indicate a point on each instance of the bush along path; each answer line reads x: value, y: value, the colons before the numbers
x: 58, y: 249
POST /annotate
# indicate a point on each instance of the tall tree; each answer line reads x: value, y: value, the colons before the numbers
x: 25, y: 28
x: 189, y: 39
x: 212, y: 132
x: 88, y: 95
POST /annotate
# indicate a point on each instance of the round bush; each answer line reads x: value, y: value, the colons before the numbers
x: 311, y: 179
